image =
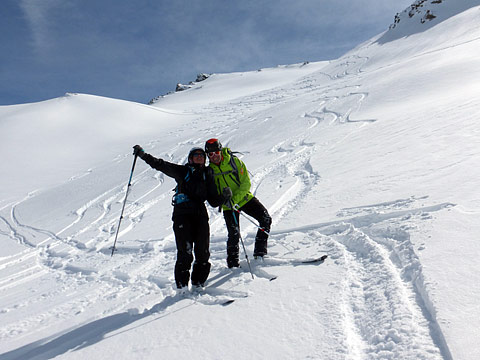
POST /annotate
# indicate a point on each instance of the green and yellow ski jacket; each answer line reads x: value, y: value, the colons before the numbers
x: 233, y: 173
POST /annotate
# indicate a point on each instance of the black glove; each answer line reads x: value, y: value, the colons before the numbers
x: 227, y: 195
x: 138, y: 151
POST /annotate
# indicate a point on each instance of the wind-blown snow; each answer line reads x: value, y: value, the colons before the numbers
x: 371, y: 158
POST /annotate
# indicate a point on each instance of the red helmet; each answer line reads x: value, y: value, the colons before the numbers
x: 213, y: 145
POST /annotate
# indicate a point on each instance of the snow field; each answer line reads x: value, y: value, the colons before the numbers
x: 370, y: 159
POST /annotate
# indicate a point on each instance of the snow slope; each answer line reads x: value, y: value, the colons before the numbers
x: 371, y: 158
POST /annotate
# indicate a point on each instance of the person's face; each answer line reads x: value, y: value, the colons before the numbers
x: 215, y: 157
x: 198, y: 158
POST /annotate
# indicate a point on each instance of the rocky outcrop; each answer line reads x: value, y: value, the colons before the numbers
x: 181, y: 87
x: 420, y: 9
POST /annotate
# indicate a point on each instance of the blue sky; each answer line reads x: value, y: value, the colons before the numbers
x: 137, y: 50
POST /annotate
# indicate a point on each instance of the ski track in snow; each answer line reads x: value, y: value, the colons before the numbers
x: 383, y: 317
x: 384, y: 312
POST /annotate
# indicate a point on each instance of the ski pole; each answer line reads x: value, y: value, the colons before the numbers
x: 124, y: 202
x: 253, y: 222
x: 241, y: 240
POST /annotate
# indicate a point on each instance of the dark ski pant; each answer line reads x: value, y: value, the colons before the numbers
x: 192, y: 237
x: 255, y: 209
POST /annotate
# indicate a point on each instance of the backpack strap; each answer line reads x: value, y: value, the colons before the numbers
x: 233, y: 164
x: 179, y: 197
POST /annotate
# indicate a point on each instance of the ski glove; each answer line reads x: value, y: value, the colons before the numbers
x: 138, y: 151
x: 227, y: 195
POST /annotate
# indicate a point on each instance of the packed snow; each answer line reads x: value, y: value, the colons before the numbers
x: 372, y: 159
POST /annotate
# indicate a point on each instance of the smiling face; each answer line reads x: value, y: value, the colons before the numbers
x: 198, y: 157
x: 215, y: 157
x: 213, y: 148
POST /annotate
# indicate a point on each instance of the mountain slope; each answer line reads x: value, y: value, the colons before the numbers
x: 370, y: 158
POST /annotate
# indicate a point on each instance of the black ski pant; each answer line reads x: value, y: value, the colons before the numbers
x: 255, y: 209
x: 192, y: 237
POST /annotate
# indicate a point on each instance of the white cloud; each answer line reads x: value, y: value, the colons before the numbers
x: 37, y: 16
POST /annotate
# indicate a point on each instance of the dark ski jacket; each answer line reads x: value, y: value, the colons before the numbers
x: 196, y: 182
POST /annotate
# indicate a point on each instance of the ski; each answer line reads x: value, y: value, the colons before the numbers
x: 273, y: 261
x: 268, y: 261
x: 315, y: 260
x: 277, y: 261
x: 212, y: 296
x: 208, y: 299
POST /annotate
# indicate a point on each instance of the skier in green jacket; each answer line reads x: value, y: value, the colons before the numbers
x: 231, y: 173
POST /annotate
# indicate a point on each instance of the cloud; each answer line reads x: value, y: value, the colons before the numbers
x: 37, y: 16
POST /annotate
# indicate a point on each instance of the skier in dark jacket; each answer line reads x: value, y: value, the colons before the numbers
x: 195, y: 184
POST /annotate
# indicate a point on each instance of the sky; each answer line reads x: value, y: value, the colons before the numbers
x: 142, y: 49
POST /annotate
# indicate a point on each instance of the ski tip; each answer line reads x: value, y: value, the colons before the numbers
x: 228, y: 302
x: 319, y: 260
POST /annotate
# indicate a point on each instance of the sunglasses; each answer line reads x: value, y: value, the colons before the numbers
x: 213, y: 153
x: 198, y: 155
